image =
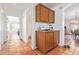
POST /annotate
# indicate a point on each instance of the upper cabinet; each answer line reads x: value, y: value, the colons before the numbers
x: 44, y: 14
x: 51, y: 16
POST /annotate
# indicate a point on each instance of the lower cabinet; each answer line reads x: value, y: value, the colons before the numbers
x: 56, y: 38
x: 49, y: 41
x: 46, y: 41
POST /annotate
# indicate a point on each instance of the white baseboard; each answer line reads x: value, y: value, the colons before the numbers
x: 33, y: 48
x: 0, y: 47
x: 60, y: 44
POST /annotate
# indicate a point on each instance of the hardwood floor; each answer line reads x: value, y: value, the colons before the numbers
x: 73, y: 50
x: 18, y: 47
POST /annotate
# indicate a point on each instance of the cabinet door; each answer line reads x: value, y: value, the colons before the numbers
x: 49, y: 40
x: 40, y: 41
x: 38, y: 12
x: 52, y: 39
x: 44, y: 14
x: 56, y: 38
x: 51, y: 16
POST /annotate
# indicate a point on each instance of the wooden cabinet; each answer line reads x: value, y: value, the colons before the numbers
x: 56, y: 38
x: 44, y: 14
x: 46, y: 40
x: 51, y: 16
x: 40, y: 41
x: 38, y: 8
x: 49, y: 41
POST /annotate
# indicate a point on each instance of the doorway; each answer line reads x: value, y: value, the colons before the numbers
x: 13, y: 27
x: 71, y: 26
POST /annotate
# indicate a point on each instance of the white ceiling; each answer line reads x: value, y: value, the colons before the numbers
x: 15, y: 9
x: 70, y: 12
x: 51, y: 5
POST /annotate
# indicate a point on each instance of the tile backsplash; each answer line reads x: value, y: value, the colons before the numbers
x: 42, y: 26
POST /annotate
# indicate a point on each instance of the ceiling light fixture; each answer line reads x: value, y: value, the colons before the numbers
x: 75, y: 21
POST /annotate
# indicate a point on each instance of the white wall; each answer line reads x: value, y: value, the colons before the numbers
x: 23, y: 26
x: 21, y: 36
x: 3, y: 25
x: 29, y: 23
x: 0, y: 28
x: 58, y: 25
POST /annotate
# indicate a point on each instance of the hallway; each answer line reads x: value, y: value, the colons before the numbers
x: 16, y: 47
x: 14, y: 27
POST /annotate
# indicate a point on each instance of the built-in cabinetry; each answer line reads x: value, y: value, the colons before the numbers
x: 44, y: 14
x: 46, y: 40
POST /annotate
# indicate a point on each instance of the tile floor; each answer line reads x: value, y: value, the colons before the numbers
x: 18, y: 47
